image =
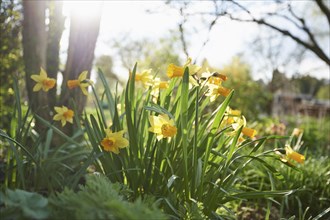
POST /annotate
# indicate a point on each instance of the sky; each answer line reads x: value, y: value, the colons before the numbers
x: 227, y: 39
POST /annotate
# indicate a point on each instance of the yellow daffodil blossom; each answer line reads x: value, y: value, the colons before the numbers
x: 249, y: 132
x: 231, y: 116
x: 216, y: 90
x: 162, y: 126
x: 193, y: 69
x: 178, y: 71
x: 293, y: 155
x: 214, y: 78
x: 233, y: 112
x: 163, y: 85
x: 241, y: 121
x: 114, y: 141
x: 289, y: 154
x: 158, y: 85
x: 241, y: 139
x: 64, y: 115
x: 81, y: 82
x: 174, y: 71
x: 43, y: 82
x: 296, y: 132
x: 144, y: 77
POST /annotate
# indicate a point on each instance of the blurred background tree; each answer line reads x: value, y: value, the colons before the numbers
x: 306, y: 84
x: 324, y: 92
x: 11, y: 63
x: 149, y: 54
x: 105, y: 63
x: 287, y: 38
x: 251, y: 97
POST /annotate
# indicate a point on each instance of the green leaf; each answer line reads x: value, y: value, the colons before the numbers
x: 59, y: 132
x: 184, y: 127
x: 110, y: 97
x: 156, y: 108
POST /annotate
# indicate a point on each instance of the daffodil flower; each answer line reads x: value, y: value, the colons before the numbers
x: 43, y: 82
x: 145, y: 78
x: 174, y: 71
x: 216, y: 90
x: 81, y: 82
x: 178, y: 71
x: 214, y: 78
x: 249, y: 132
x: 158, y: 85
x: 293, y: 155
x: 162, y: 126
x: 114, y: 141
x: 231, y: 116
x: 64, y: 115
x: 289, y: 154
x: 241, y: 121
x: 193, y: 69
x: 296, y: 132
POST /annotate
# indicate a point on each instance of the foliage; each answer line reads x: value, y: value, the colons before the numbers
x: 324, y: 92
x: 10, y: 57
x: 20, y: 204
x: 257, y: 100
x: 100, y: 199
x: 28, y: 161
x: 316, y: 132
x: 105, y: 63
x: 150, y: 54
x: 307, y: 84
x: 312, y: 195
x: 316, y: 137
x: 314, y: 187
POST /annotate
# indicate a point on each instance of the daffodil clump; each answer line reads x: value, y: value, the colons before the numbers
x: 164, y: 127
x: 166, y: 138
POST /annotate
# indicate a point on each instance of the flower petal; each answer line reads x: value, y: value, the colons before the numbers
x: 43, y: 73
x: 83, y: 75
x: 83, y: 89
x: 37, y: 87
x: 36, y: 78
x: 63, y: 121
x: 57, y: 117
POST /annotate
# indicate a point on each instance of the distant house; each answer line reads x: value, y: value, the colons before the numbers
x: 285, y: 103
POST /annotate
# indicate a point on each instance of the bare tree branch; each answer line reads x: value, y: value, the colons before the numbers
x: 214, y: 21
x: 182, y: 37
x: 305, y: 28
x: 312, y: 46
x: 324, y: 9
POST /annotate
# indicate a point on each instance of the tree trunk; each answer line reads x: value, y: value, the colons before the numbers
x: 34, y: 54
x: 82, y: 42
x: 42, y: 50
x: 56, y: 27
